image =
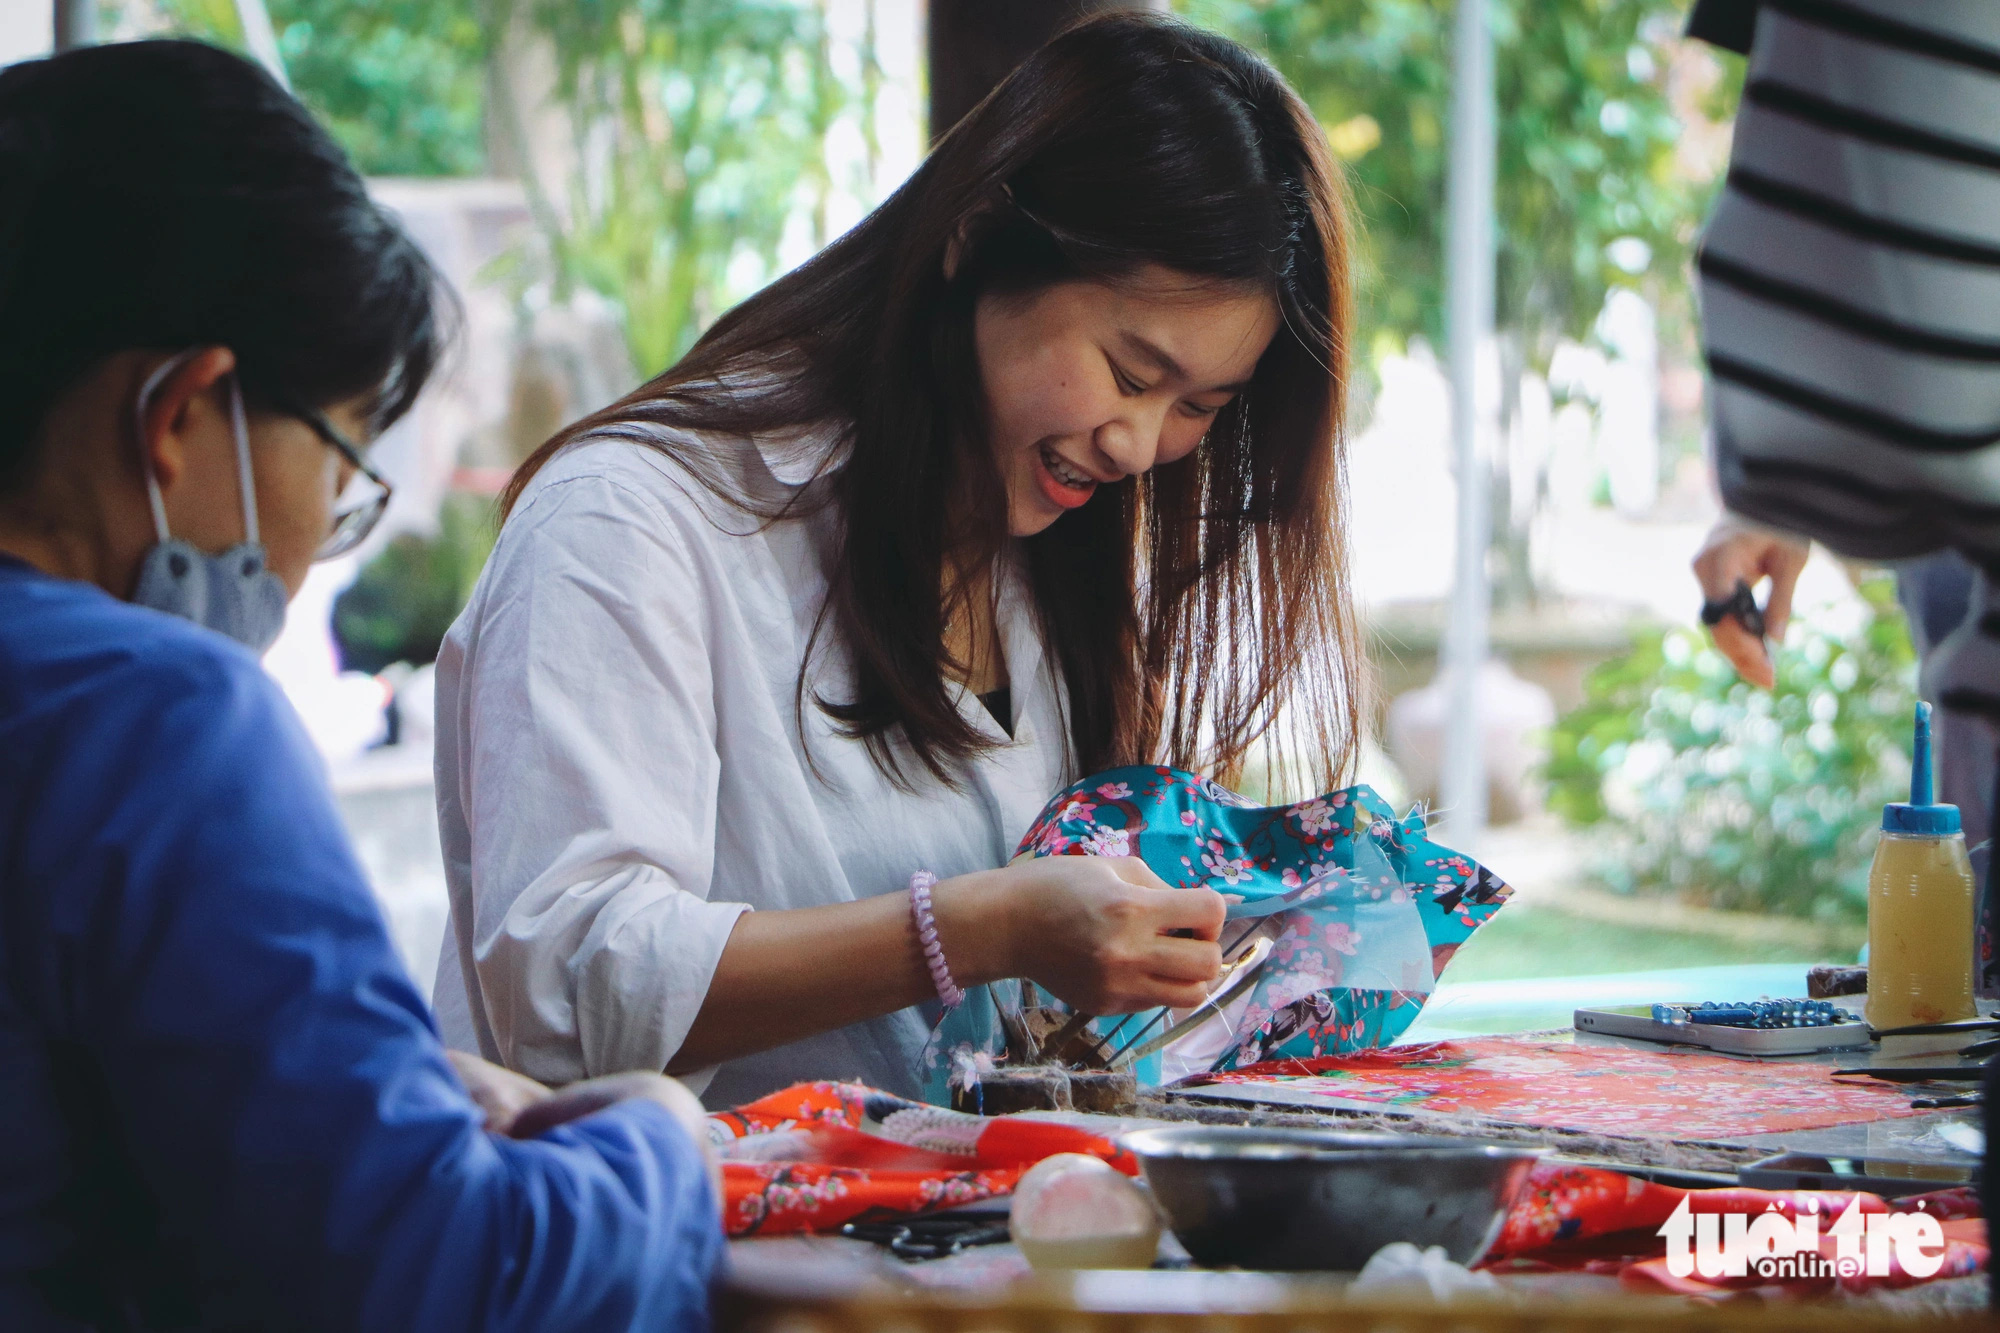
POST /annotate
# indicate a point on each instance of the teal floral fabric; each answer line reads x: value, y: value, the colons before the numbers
x: 1369, y: 910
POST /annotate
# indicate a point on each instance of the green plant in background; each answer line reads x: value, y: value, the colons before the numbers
x: 699, y: 126
x: 1586, y: 141
x: 400, y: 605
x: 400, y: 83
x: 1593, y: 190
x: 699, y: 129
x: 1733, y: 797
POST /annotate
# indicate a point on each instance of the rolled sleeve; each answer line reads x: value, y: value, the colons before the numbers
x: 602, y: 975
x: 585, y: 691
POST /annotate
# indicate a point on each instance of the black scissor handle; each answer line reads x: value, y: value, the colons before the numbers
x: 1742, y: 604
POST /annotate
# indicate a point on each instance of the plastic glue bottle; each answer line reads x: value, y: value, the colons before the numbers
x: 1920, y: 902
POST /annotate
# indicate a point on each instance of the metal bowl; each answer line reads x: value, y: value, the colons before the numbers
x: 1306, y: 1199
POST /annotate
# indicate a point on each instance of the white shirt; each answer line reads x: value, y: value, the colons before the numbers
x: 620, y: 774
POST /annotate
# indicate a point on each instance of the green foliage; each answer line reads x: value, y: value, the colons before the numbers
x: 700, y: 129
x: 403, y: 601
x: 698, y: 125
x: 1734, y: 797
x: 400, y: 83
x: 1585, y: 143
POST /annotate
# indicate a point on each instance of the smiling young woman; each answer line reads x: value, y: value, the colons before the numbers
x: 1034, y: 472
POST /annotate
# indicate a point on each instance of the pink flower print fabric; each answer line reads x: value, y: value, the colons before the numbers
x: 1369, y: 909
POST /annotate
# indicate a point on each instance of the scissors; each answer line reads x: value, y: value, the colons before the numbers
x: 1741, y: 604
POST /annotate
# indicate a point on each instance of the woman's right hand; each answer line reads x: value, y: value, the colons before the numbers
x: 1097, y: 932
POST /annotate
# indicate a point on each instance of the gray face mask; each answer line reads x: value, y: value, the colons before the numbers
x: 232, y: 592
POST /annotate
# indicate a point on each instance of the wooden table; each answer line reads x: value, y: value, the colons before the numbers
x: 812, y: 1285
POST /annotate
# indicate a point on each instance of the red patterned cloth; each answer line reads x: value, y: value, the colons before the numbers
x: 1607, y: 1089
x: 1578, y: 1219
x: 839, y: 1152
x: 817, y: 1155
x: 1563, y: 1206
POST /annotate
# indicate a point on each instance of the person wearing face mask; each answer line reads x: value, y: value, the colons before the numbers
x: 1034, y: 472
x: 224, y: 1103
x: 233, y: 591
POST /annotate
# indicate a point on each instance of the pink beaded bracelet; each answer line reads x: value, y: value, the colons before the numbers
x: 926, y: 920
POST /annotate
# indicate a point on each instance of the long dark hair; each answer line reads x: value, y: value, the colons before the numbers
x: 1193, y: 609
x: 168, y: 195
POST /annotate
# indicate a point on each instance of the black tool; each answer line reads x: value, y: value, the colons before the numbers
x: 915, y: 1239
x: 1939, y: 1029
x: 1742, y: 604
x: 1940, y: 1103
x: 1922, y: 1074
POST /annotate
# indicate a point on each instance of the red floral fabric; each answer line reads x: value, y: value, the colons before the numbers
x: 1564, y: 1204
x: 1553, y: 1081
x: 1579, y: 1219
x: 852, y: 1153
x: 845, y: 1153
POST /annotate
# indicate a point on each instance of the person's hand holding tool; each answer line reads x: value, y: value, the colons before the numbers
x: 1105, y: 935
x: 1734, y: 559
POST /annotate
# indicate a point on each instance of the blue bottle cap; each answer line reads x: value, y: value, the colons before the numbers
x: 1921, y: 816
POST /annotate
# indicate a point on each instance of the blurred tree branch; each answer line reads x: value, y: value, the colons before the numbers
x: 398, y: 82
x: 692, y: 132
x: 1594, y: 188
x: 696, y: 132
x: 1587, y: 138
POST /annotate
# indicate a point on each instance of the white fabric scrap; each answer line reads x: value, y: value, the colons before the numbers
x: 1401, y: 1269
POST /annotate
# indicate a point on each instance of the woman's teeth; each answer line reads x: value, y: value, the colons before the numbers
x: 1064, y: 473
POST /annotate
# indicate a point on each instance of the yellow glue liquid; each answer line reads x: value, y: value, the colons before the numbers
x: 1919, y: 931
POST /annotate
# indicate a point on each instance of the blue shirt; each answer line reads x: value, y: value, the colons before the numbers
x: 221, y: 1100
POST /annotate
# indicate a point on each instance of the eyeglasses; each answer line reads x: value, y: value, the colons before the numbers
x: 355, y: 519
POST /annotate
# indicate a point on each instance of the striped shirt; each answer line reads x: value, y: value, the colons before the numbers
x: 1850, y: 276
